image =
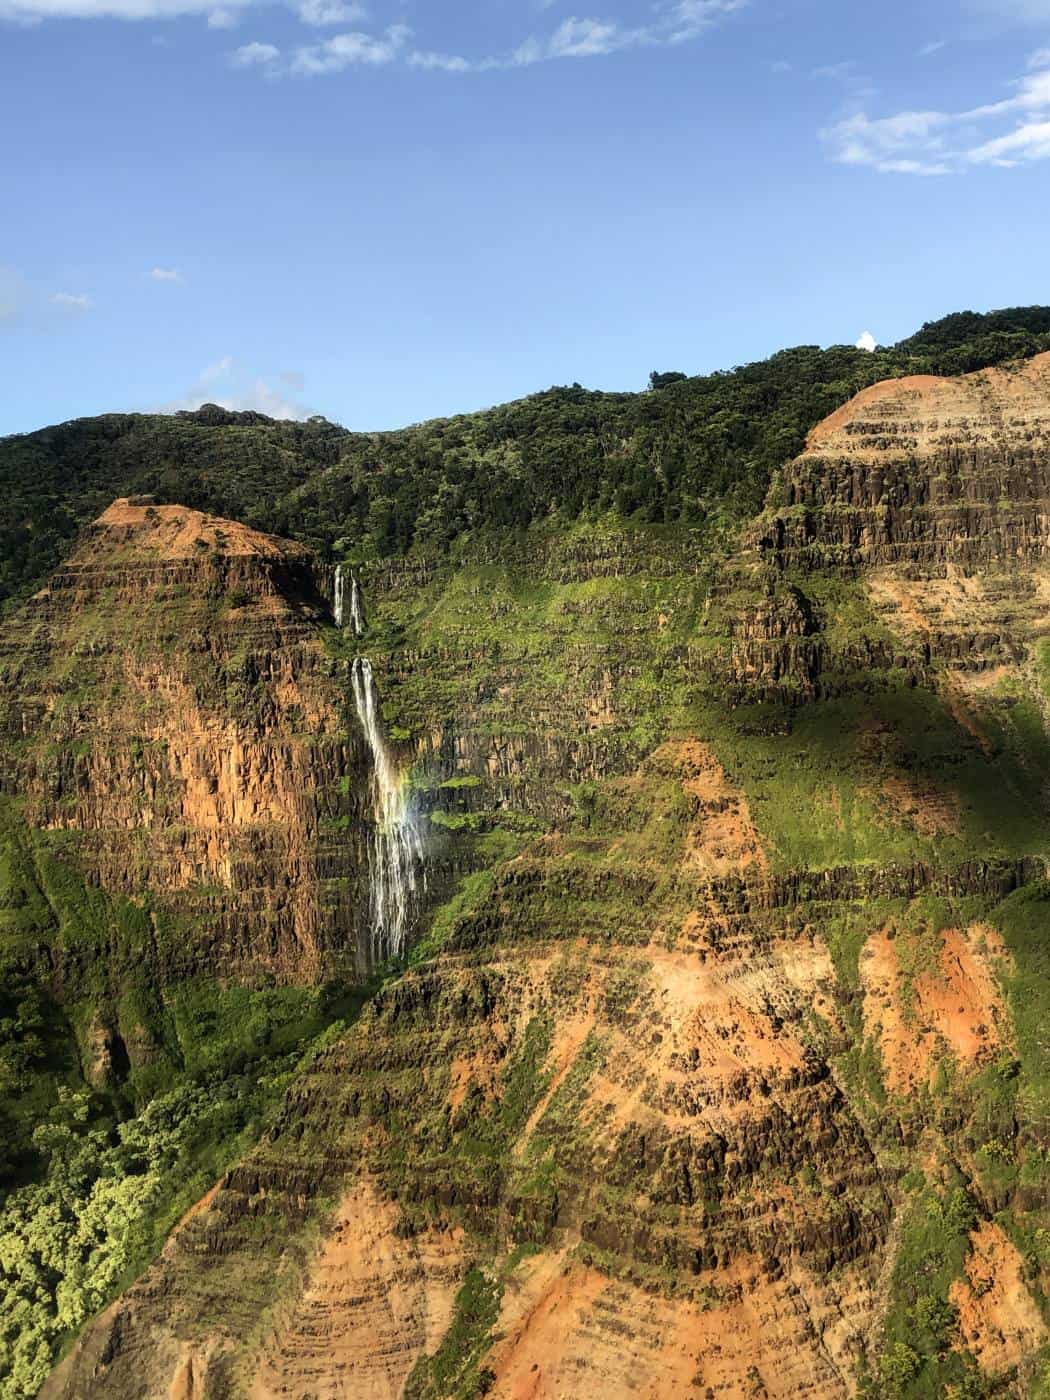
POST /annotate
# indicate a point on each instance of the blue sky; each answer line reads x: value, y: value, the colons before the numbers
x: 396, y: 209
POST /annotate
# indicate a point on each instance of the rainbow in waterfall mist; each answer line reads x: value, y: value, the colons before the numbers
x: 397, y: 876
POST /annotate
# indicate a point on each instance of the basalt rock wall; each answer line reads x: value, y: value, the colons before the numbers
x: 167, y: 703
x: 922, y: 472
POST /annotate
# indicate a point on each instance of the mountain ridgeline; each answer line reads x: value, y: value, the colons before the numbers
x: 552, y: 902
x: 697, y: 449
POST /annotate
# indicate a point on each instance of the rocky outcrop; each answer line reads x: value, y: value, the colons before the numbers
x: 167, y: 703
x: 922, y: 472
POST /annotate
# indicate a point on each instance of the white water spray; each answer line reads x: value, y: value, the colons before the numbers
x: 339, y: 601
x: 397, y: 845
x: 356, y: 612
x: 357, y: 617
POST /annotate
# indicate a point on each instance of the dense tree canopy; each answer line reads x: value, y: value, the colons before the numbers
x: 677, y: 451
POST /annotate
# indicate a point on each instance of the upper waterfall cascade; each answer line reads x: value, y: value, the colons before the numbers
x: 347, y: 600
x: 397, y: 874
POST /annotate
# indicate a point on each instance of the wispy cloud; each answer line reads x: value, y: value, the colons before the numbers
x: 349, y: 50
x: 675, y: 23
x: 1007, y: 132
x: 71, y: 301
x: 256, y: 55
x: 165, y: 274
x: 219, y: 370
x: 324, y: 12
x: 223, y: 15
x: 233, y: 385
x: 856, y: 86
x: 593, y: 38
x: 934, y: 46
x: 439, y: 62
x: 37, y: 11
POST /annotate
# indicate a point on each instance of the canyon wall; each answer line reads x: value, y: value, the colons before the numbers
x: 923, y: 473
x: 168, y: 704
x: 717, y: 1067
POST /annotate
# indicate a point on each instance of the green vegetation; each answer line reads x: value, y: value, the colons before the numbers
x: 101, y: 1209
x: 921, y: 1358
x: 690, y: 449
x: 120, y: 1104
x: 455, y: 1371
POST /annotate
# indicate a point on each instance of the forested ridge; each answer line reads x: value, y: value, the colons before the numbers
x: 678, y: 451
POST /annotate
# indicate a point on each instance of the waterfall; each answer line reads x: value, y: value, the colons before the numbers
x: 357, y: 616
x: 339, y: 601
x: 397, y: 845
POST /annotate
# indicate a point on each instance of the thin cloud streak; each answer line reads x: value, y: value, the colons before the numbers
x: 573, y: 37
x: 232, y: 385
x: 70, y: 301
x: 933, y: 143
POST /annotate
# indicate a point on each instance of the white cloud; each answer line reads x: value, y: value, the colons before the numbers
x: 323, y: 12
x: 233, y: 385
x: 676, y: 21
x: 586, y: 38
x: 165, y: 274
x: 661, y: 22
x: 934, y: 46
x: 592, y: 38
x: 347, y: 50
x: 867, y: 342
x: 34, y: 11
x: 255, y: 55
x: 1030, y: 141
x: 70, y: 301
x: 226, y: 14
x: 221, y: 369
x: 440, y: 62
x: 944, y: 143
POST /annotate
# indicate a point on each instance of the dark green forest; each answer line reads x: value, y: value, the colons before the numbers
x: 682, y: 450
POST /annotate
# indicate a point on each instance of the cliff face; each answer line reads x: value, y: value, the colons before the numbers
x: 719, y: 1067
x: 166, y: 701
x: 615, y: 1097
x: 923, y: 472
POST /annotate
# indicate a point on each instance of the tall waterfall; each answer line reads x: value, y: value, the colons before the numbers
x: 397, y: 847
x: 356, y: 612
